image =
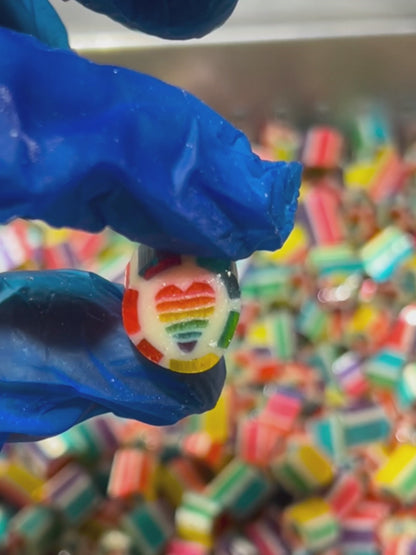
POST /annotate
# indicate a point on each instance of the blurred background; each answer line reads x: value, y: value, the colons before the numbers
x: 311, y: 448
x: 303, y: 59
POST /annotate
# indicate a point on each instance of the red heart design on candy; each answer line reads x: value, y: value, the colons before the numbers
x: 185, y: 312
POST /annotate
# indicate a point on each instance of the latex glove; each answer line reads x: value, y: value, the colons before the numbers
x: 36, y: 18
x: 170, y: 19
x: 64, y: 357
x: 87, y: 146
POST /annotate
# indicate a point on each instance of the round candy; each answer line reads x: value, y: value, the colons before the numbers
x: 180, y: 311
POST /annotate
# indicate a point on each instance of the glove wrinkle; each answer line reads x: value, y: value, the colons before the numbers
x: 88, y: 146
x: 187, y: 162
x: 65, y: 356
x: 130, y: 140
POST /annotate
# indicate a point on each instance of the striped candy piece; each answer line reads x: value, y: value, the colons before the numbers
x: 384, y: 368
x: 322, y: 210
x: 18, y: 244
x: 132, y: 474
x: 36, y: 527
x: 148, y: 528
x: 183, y: 547
x: 180, y: 311
x: 359, y: 528
x: 397, y: 527
x: 386, y: 252
x: 265, y: 536
x: 402, y: 336
x: 186, y: 313
x: 283, y: 409
x: 400, y: 546
x: 406, y: 388
x: 178, y: 476
x: 73, y: 492
x: 197, y: 519
x: 323, y: 148
x: 239, y: 489
x: 258, y: 440
x: 398, y: 475
x: 345, y: 494
x: 349, y: 375
x: 18, y: 485
x: 364, y: 423
x: 303, y: 470
x: 314, y: 523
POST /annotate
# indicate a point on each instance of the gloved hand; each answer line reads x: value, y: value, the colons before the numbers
x: 90, y: 146
x: 170, y: 19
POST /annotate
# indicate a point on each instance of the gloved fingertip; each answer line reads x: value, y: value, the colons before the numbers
x: 282, y: 186
x: 173, y: 19
x: 291, y: 188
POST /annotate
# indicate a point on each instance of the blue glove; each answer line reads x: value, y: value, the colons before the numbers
x: 64, y: 357
x: 170, y: 19
x: 90, y: 146
x: 34, y: 17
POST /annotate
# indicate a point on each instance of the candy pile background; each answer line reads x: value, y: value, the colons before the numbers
x: 312, y: 446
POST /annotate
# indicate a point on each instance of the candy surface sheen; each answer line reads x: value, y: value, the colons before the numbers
x: 180, y: 311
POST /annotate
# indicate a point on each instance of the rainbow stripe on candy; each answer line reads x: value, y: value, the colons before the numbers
x: 186, y: 313
x: 180, y: 311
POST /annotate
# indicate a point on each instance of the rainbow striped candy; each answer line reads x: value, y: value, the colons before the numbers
x: 180, y: 311
x: 386, y: 252
x: 303, y: 470
x: 314, y: 523
x: 398, y: 475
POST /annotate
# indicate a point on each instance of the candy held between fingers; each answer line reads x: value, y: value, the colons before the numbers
x: 179, y: 311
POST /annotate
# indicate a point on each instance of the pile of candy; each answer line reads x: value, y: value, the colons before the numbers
x: 36, y: 246
x: 312, y: 446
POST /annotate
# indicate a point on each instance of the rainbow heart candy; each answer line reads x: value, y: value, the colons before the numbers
x: 180, y: 311
x: 186, y: 313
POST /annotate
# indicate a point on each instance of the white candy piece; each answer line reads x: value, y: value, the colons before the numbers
x: 180, y: 311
